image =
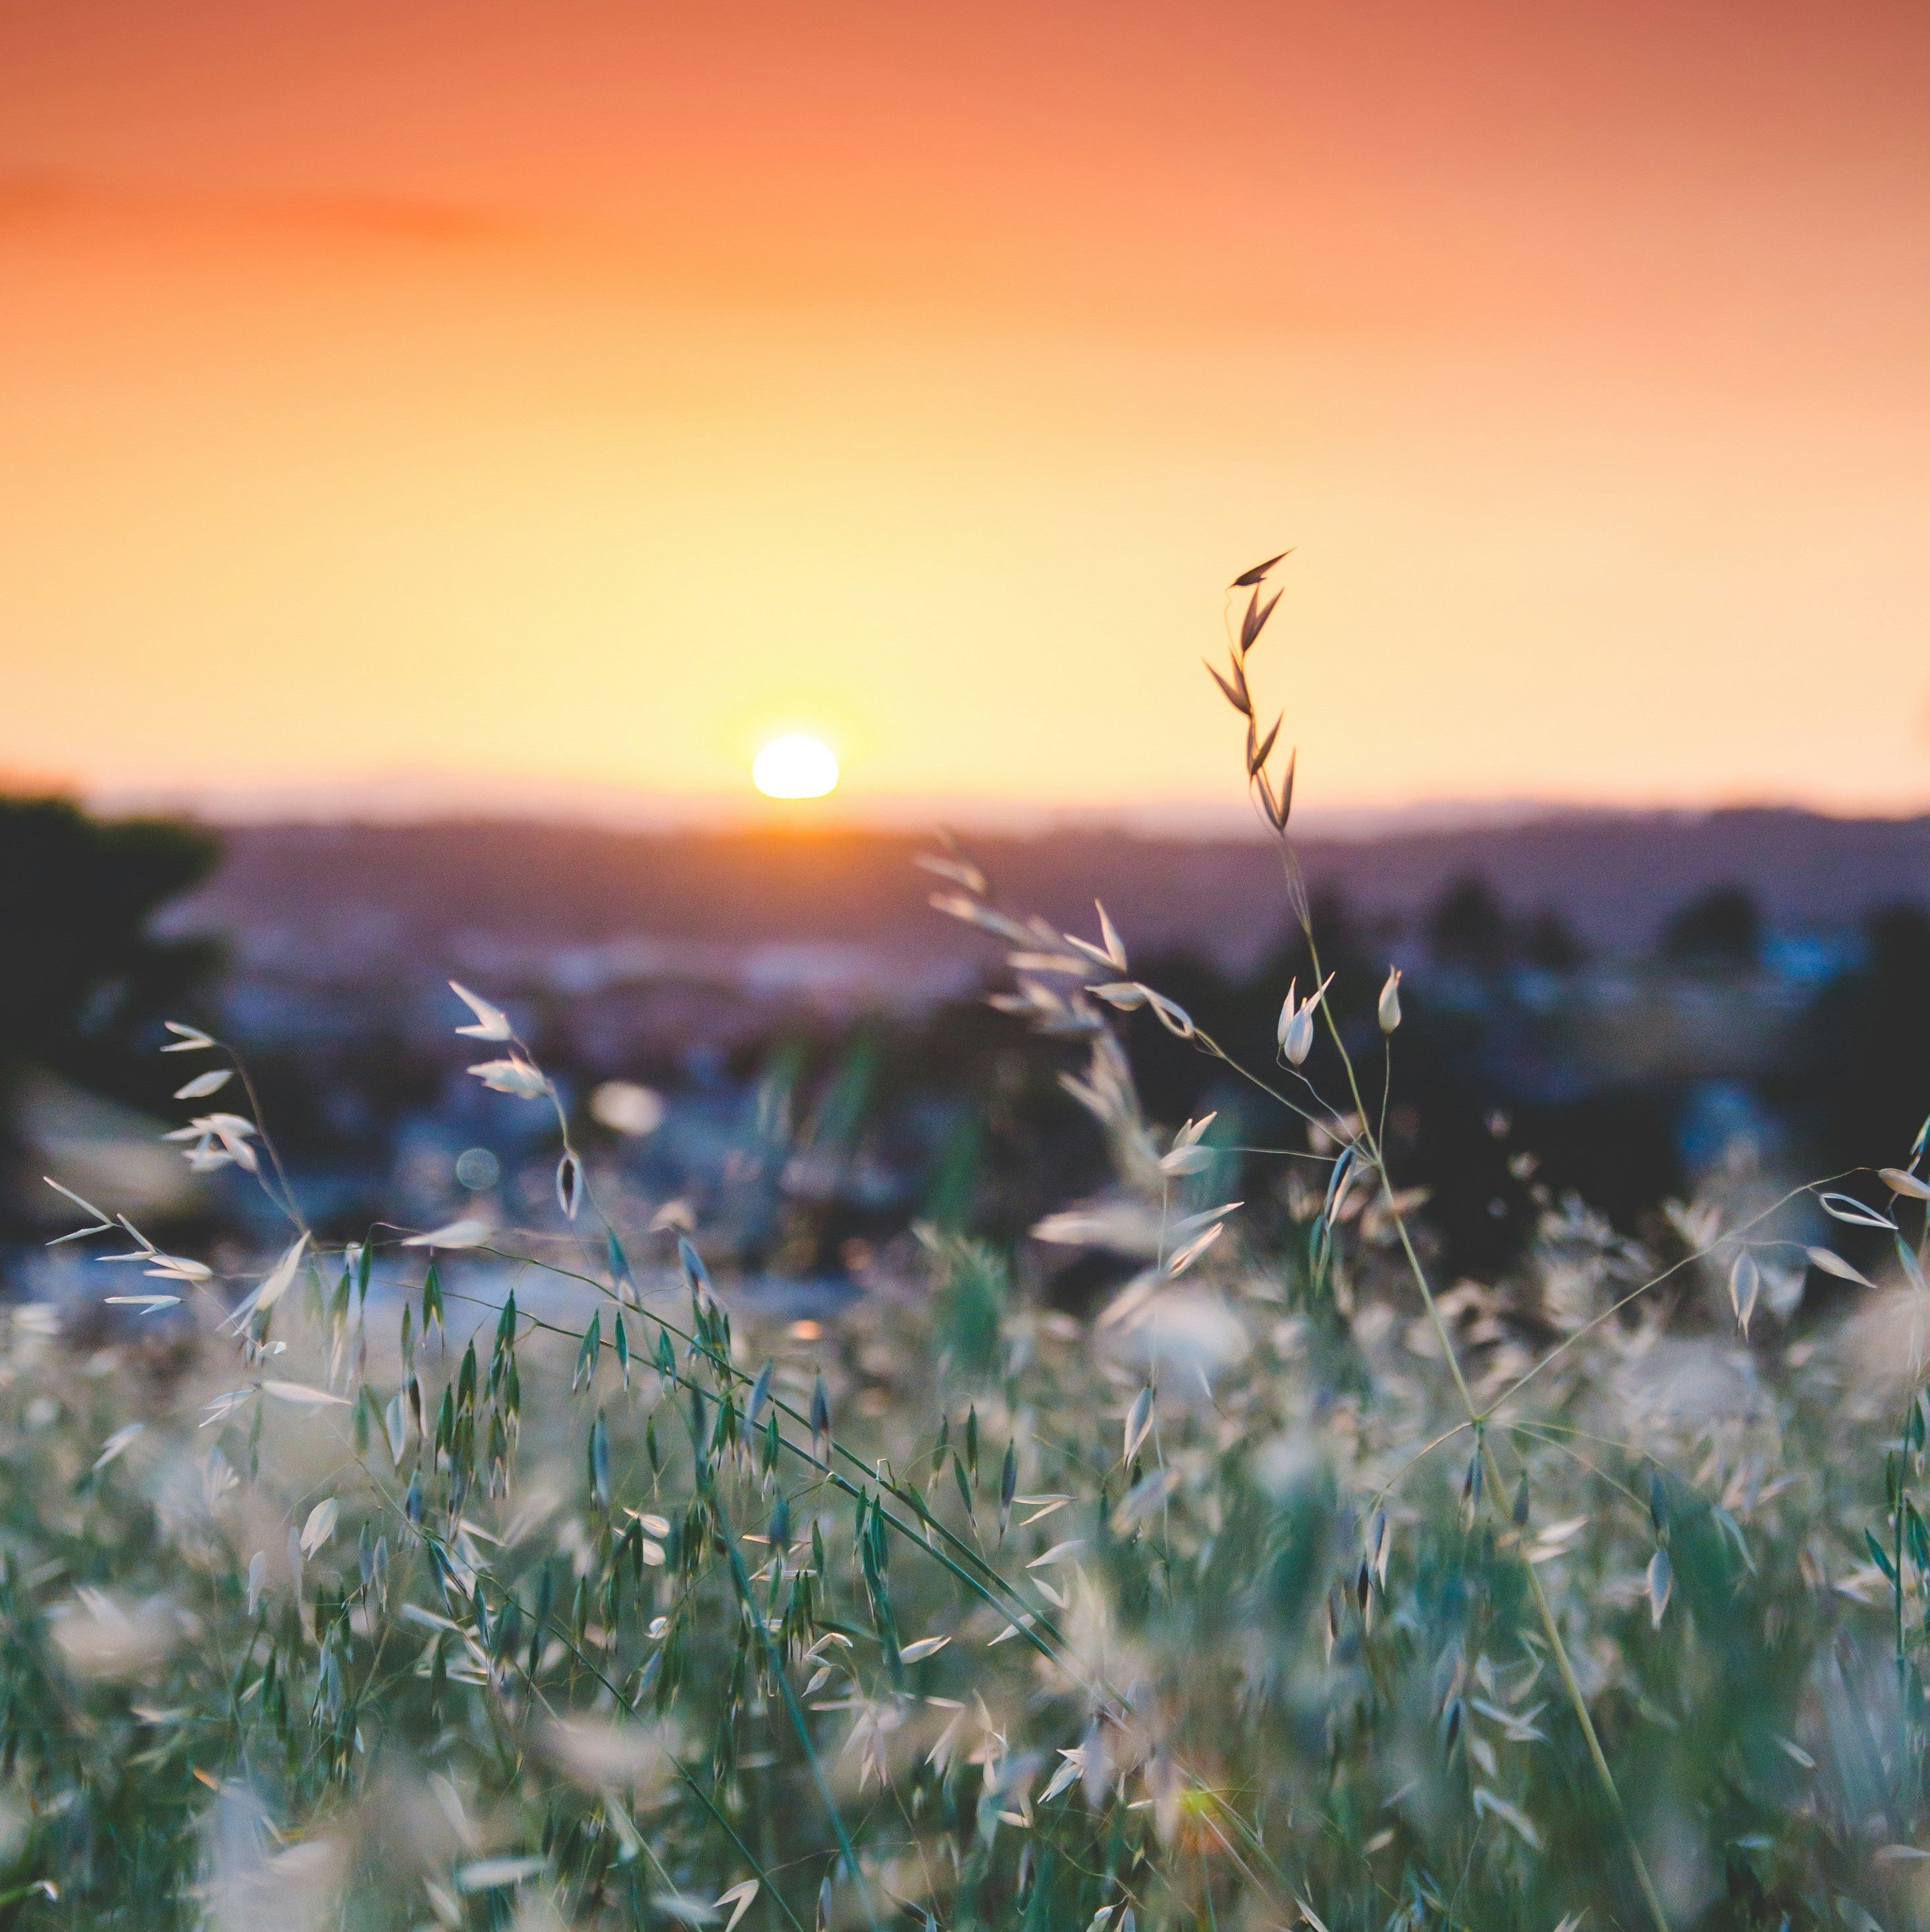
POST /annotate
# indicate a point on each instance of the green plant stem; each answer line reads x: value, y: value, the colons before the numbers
x: 1635, y: 1293
x: 1476, y: 1417
x: 749, y: 1601
x: 1051, y: 1646
x: 697, y: 1790
x: 1544, y: 1608
x: 1897, y: 1517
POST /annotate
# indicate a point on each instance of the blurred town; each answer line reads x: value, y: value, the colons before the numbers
x: 775, y: 1038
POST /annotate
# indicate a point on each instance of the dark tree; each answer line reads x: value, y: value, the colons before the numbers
x: 1549, y: 942
x: 82, y: 976
x: 1468, y: 928
x: 1721, y: 931
x: 1866, y: 1045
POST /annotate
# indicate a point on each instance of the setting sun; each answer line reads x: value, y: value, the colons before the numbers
x: 795, y: 766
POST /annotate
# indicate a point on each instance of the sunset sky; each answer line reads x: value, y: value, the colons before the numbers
x: 550, y: 403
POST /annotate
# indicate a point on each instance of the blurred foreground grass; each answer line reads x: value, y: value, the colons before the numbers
x: 389, y: 1602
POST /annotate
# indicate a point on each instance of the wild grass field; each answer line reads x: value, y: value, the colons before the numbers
x: 474, y: 1576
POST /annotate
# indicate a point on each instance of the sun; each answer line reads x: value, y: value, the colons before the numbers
x: 795, y: 766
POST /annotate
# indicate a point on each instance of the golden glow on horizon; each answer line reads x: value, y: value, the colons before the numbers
x: 795, y: 766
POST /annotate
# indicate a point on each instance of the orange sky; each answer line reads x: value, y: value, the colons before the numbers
x: 484, y: 398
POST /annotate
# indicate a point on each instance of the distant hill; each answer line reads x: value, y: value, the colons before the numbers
x: 348, y: 897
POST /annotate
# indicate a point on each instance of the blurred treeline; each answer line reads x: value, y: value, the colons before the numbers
x: 1510, y: 1077
x: 1524, y: 1065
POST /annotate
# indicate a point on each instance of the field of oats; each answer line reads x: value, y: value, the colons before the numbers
x: 479, y: 1576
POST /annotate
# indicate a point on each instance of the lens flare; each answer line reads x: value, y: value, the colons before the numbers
x: 795, y: 766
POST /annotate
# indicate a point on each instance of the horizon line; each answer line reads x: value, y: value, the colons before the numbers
x: 404, y: 799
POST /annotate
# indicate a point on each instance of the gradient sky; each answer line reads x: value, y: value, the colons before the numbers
x: 553, y: 400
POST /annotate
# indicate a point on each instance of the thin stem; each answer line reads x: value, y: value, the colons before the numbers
x: 1208, y: 1044
x: 1897, y: 1518
x: 1535, y: 1432
x: 1543, y: 1608
x: 1370, y: 1141
x: 1015, y: 1608
x: 286, y: 1203
x: 1609, y: 1313
x: 592, y: 1668
x: 749, y: 1601
x: 1419, y: 1457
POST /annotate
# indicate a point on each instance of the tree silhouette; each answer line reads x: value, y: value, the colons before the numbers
x: 1468, y: 928
x: 1866, y: 1057
x: 1720, y: 930
x: 82, y: 975
x: 1548, y: 941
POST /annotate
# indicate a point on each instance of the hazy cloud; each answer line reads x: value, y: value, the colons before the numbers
x: 29, y: 198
